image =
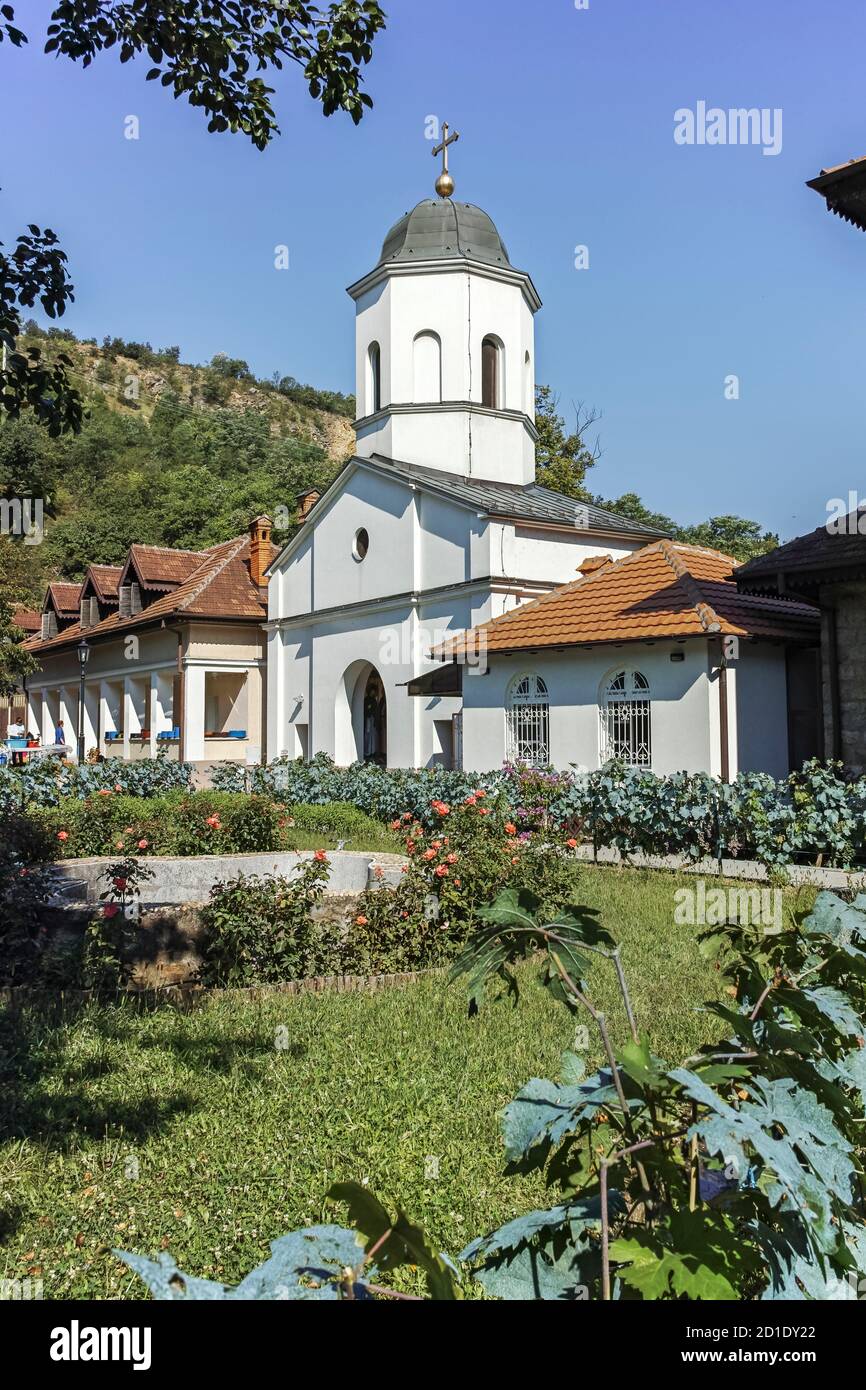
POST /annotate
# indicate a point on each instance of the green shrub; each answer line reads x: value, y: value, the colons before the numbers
x: 193, y: 823
x: 179, y: 823
x: 339, y: 820
x: 260, y: 931
x: 25, y: 850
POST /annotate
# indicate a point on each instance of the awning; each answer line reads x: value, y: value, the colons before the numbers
x: 442, y: 680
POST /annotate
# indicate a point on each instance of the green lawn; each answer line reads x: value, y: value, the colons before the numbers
x: 236, y: 1139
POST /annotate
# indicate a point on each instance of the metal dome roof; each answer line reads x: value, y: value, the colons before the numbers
x: 440, y: 229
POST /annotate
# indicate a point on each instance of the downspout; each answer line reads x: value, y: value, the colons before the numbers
x: 724, y: 733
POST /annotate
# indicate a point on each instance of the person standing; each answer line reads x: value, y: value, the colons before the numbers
x: 16, y: 730
x: 60, y: 734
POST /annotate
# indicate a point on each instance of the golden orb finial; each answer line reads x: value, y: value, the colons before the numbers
x: 445, y: 183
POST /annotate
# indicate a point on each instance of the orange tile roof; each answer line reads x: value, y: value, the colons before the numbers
x: 105, y: 579
x: 27, y: 619
x: 219, y: 587
x: 159, y: 565
x: 65, y: 597
x: 664, y: 590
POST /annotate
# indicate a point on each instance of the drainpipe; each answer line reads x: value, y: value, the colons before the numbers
x: 724, y: 731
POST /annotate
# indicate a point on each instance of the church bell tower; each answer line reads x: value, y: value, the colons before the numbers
x: 445, y: 344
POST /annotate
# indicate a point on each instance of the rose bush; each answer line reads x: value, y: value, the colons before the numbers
x: 472, y: 850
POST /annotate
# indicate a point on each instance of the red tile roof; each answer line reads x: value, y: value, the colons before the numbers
x: 158, y: 566
x: 105, y: 580
x: 65, y: 597
x: 27, y: 619
x: 218, y: 587
x: 664, y: 590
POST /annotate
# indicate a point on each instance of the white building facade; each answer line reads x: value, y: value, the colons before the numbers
x: 437, y: 524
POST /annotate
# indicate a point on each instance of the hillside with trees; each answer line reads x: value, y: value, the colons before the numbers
x: 168, y: 454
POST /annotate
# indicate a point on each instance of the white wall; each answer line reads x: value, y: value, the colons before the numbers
x: 461, y: 306
x: 680, y: 705
x: 538, y: 553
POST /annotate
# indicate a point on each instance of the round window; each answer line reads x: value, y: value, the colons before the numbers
x: 361, y: 544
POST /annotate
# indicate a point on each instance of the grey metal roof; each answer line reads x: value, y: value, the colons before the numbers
x: 531, y: 502
x: 439, y: 228
x: 820, y: 555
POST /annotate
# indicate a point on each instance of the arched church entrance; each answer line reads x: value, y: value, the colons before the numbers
x: 375, y: 715
x: 361, y: 717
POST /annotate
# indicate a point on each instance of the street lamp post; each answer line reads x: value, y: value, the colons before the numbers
x: 83, y: 658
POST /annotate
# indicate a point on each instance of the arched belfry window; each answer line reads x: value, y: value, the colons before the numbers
x: 527, y: 722
x: 374, y: 378
x: 427, y: 368
x: 492, y: 354
x: 528, y: 387
x: 625, y: 711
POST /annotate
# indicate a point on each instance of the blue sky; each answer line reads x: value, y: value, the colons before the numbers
x: 704, y: 261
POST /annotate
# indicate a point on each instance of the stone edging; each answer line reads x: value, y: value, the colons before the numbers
x: 798, y: 875
x: 191, y: 993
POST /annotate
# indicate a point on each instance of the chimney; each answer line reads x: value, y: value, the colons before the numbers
x: 260, y: 549
x: 593, y: 563
x: 306, y: 502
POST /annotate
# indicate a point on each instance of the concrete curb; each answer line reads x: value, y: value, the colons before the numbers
x: 798, y: 875
x: 191, y: 994
x: 189, y: 879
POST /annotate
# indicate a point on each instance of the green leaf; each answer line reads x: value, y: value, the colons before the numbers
x: 543, y: 1112
x: 403, y: 1243
x: 638, y: 1062
x: 833, y: 1004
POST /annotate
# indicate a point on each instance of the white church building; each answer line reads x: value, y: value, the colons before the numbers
x: 437, y: 525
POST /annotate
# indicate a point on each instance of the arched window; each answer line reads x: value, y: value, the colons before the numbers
x: 528, y: 389
x: 374, y: 379
x: 492, y: 354
x: 527, y: 722
x: 427, y: 364
x: 626, y: 720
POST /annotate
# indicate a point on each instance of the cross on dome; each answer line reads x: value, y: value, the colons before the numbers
x: 445, y: 183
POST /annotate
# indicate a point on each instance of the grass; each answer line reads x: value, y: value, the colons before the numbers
x: 210, y: 1133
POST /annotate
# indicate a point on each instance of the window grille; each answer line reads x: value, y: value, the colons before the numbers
x: 528, y: 722
x: 625, y: 711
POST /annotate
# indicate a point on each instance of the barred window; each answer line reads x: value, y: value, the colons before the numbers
x: 625, y: 711
x: 527, y: 722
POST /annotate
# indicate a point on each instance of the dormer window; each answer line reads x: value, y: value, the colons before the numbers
x: 49, y: 625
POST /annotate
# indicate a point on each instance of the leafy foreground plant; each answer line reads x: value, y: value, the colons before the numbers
x: 738, y: 1175
x: 321, y: 1262
x: 735, y: 1176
